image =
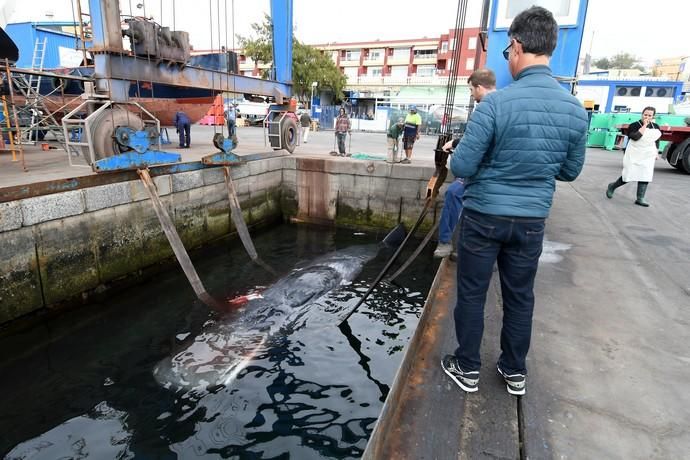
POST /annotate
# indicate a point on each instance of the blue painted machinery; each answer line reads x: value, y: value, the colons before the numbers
x: 571, y: 22
x: 225, y: 157
x: 115, y: 138
x: 139, y: 153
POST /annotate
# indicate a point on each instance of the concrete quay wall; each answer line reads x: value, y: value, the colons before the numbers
x: 61, y: 248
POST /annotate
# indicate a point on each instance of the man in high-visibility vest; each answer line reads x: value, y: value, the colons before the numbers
x: 413, y: 124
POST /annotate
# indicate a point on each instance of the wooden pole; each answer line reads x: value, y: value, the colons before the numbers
x: 175, y: 241
x: 14, y: 113
x: 236, y: 215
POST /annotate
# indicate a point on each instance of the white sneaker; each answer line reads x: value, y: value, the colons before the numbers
x: 443, y: 250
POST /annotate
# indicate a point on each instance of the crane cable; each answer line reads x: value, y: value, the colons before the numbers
x: 441, y: 156
x: 440, y: 160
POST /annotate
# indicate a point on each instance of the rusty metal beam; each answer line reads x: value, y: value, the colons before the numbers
x: 50, y: 74
x: 19, y: 192
x: 132, y: 68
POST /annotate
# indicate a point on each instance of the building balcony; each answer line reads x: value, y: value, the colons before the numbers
x: 352, y: 63
x: 373, y: 62
x: 435, y: 80
x: 426, y: 59
x: 399, y: 60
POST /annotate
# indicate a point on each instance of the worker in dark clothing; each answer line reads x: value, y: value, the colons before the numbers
x: 183, y: 126
x: 305, y: 121
x: 231, y: 119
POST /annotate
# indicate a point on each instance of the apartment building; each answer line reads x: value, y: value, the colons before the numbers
x: 383, y: 76
x: 386, y: 67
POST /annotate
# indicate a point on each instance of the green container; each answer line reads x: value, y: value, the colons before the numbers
x: 604, y: 127
x: 596, y: 138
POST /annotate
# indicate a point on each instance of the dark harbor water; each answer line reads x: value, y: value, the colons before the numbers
x: 108, y: 381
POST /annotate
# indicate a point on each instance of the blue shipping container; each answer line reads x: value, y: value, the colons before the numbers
x: 61, y: 49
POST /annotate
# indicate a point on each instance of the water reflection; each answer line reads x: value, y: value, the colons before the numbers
x: 309, y: 392
x: 100, y: 433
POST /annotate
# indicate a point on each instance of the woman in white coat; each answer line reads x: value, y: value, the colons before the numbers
x: 640, y: 154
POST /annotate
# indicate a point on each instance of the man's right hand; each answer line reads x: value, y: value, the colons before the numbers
x: 448, y: 146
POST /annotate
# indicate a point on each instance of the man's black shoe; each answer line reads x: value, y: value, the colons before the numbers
x: 468, y: 381
x: 515, y: 383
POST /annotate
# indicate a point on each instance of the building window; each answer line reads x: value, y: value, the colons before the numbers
x: 334, y: 56
x: 376, y: 54
x: 351, y: 55
x: 472, y: 43
x: 426, y: 70
x: 401, y: 53
x: 444, y: 47
x: 452, y: 44
x: 351, y: 72
x: 375, y: 71
x: 425, y: 54
x: 399, y: 71
x: 469, y: 65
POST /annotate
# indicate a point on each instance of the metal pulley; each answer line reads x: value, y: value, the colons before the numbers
x: 139, y: 141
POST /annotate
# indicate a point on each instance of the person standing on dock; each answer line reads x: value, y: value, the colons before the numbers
x: 640, y: 154
x: 393, y: 140
x: 518, y: 142
x: 183, y: 125
x: 305, y: 121
x: 342, y: 129
x: 231, y: 120
x: 413, y: 125
x: 481, y: 82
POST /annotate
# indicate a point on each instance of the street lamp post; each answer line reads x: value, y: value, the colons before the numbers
x: 314, y: 84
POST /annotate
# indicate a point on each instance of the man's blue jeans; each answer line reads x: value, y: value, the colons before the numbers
x: 516, y: 244
x: 452, y: 206
x: 341, y: 142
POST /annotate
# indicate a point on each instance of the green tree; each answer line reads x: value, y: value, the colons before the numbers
x: 308, y: 63
x: 619, y: 61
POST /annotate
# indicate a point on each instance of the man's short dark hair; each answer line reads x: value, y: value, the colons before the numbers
x: 536, y: 29
x: 482, y: 77
x: 649, y: 108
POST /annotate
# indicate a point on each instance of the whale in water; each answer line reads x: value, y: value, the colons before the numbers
x: 224, y: 348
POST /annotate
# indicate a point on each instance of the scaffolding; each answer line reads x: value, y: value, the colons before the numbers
x: 29, y: 115
x: 11, y: 121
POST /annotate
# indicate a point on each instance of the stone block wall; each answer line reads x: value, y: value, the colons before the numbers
x: 60, y: 248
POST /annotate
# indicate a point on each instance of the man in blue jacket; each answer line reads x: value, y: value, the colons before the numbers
x: 183, y: 125
x: 518, y: 142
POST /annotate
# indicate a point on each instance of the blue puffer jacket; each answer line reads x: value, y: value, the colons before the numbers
x: 518, y: 141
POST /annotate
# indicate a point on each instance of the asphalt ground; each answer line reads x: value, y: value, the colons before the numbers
x: 610, y: 356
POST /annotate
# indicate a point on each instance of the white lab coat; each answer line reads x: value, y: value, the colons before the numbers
x: 640, y: 155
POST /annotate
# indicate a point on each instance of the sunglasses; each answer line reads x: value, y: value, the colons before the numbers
x: 506, y: 51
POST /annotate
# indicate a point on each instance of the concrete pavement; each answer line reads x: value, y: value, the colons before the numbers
x: 608, y: 366
x: 610, y: 360
x: 53, y: 164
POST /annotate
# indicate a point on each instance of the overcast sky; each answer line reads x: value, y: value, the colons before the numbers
x: 650, y: 29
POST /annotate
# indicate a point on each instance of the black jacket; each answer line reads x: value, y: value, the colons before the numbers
x: 634, y: 130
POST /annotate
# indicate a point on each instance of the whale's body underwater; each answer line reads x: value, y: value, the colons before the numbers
x: 221, y: 351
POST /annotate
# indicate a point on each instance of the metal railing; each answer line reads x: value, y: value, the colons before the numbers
x: 389, y: 80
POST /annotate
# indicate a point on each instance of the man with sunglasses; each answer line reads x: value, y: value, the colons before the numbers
x: 517, y: 143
